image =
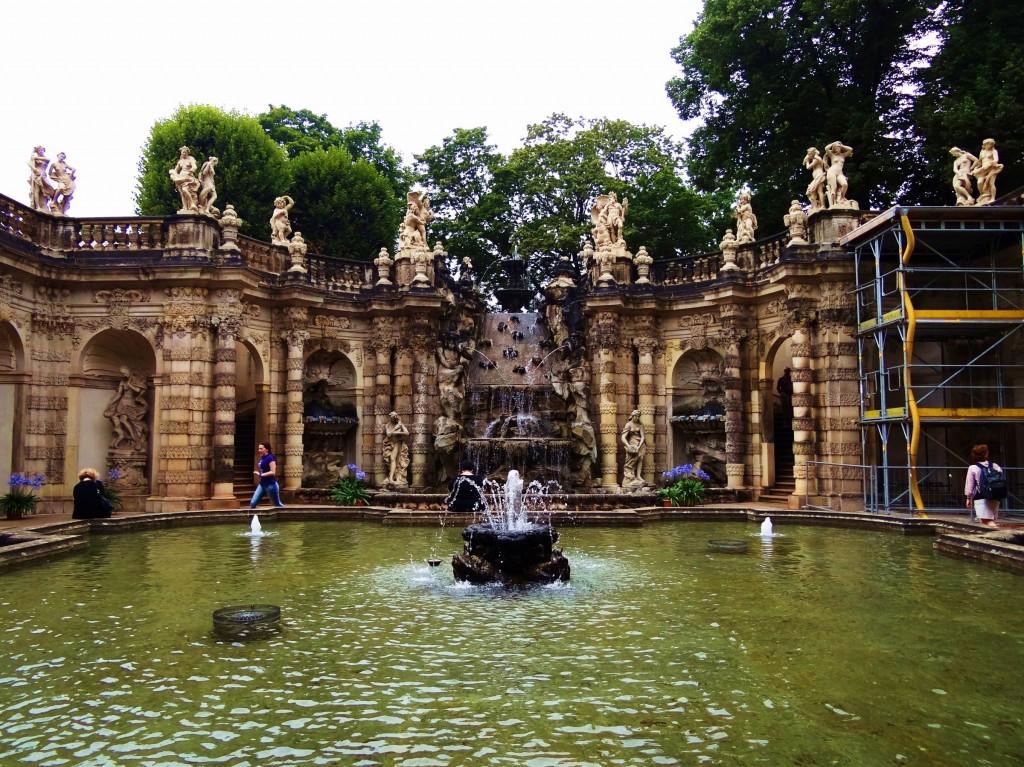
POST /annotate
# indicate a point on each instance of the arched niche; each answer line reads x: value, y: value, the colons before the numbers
x: 12, y: 369
x: 102, y: 363
x: 698, y: 412
x: 329, y: 411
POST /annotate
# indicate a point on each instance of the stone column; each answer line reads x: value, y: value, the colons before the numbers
x: 185, y: 435
x: 294, y: 427
x: 605, y: 334
x: 662, y: 412
x: 368, y: 417
x: 424, y: 371
x: 645, y: 346
x: 803, y: 412
x: 382, y: 340
x: 732, y: 335
x: 224, y: 414
x: 840, y: 401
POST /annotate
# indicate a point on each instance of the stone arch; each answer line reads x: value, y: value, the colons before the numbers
x: 330, y: 416
x: 698, y: 412
x: 776, y: 416
x: 101, y: 370
x: 12, y: 398
x: 252, y: 397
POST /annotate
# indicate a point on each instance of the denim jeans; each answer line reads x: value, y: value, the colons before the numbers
x: 273, y: 490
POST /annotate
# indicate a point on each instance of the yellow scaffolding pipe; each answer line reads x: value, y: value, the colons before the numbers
x: 908, y: 354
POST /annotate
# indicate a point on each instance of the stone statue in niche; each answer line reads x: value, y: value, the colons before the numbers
x: 280, y: 225
x: 127, y: 411
x: 836, y: 182
x: 63, y: 177
x: 635, y: 442
x: 816, y: 189
x: 985, y: 170
x: 746, y: 221
x: 451, y: 379
x: 396, y: 450
x: 962, y: 164
x: 414, y: 227
x: 207, y: 187
x: 40, y: 191
x: 183, y: 174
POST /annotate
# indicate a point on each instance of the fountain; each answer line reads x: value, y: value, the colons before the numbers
x: 508, y: 548
x: 766, y: 527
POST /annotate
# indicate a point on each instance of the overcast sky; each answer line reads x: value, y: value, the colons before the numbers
x: 90, y: 78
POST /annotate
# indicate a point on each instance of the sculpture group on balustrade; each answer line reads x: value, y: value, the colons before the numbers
x: 622, y: 427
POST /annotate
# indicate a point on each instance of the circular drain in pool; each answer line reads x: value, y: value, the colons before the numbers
x: 246, y: 622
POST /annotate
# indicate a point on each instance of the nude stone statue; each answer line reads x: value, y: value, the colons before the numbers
x: 816, y: 189
x: 449, y: 437
x: 63, y: 177
x: 985, y: 170
x: 207, y: 188
x: 396, y: 450
x: 635, y: 442
x: 836, y: 154
x: 40, y: 191
x: 183, y: 174
x: 280, y: 225
x: 962, y: 175
x: 127, y: 411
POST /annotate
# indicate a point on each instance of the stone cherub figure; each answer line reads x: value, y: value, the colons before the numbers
x: 746, y: 221
x: 280, y: 225
x: 127, y: 411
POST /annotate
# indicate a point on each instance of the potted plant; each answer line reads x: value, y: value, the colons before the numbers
x: 686, y: 485
x: 20, y: 500
x: 350, y: 490
x: 110, y: 491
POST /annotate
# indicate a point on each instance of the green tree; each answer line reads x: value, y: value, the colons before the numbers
x: 565, y: 164
x: 972, y: 91
x: 343, y: 206
x: 770, y: 78
x: 251, y: 170
x: 473, y: 215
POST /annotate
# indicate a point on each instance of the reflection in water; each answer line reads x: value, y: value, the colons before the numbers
x: 655, y: 653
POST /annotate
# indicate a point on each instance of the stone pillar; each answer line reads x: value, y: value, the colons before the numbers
x: 368, y: 417
x: 839, y: 400
x: 803, y: 412
x: 605, y: 335
x: 424, y: 371
x: 185, y: 439
x: 645, y: 346
x: 294, y: 427
x: 382, y: 341
x: 736, y: 437
x: 662, y: 411
x: 224, y: 416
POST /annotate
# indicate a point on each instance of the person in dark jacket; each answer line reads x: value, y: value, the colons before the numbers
x: 466, y: 490
x: 88, y: 494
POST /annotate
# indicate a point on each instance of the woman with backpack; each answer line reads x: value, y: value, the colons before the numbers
x: 978, y: 487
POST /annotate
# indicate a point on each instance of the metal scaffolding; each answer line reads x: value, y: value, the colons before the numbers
x: 940, y: 307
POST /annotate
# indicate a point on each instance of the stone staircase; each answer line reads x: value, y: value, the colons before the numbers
x: 785, y: 484
x: 245, y: 457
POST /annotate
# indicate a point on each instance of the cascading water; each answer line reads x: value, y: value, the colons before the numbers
x: 509, y: 547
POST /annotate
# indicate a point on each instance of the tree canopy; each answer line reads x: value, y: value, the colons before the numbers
x: 250, y: 172
x: 347, y: 185
x: 537, y: 200
x: 770, y: 78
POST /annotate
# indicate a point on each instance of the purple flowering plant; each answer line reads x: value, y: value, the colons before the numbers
x: 685, y: 485
x: 111, y: 491
x: 350, y: 490
x: 20, y: 499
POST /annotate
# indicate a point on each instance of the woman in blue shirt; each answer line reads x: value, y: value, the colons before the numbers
x: 266, y: 475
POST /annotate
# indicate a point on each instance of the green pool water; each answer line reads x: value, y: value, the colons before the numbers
x: 819, y: 646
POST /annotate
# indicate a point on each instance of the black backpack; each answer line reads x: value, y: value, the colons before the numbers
x: 992, y: 483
